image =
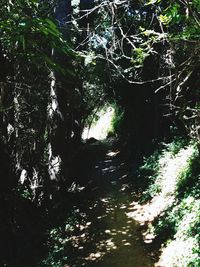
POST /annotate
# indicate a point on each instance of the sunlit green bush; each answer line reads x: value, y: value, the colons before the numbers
x: 116, y: 121
x: 182, y: 224
x: 177, y: 227
x: 176, y: 145
x: 147, y: 175
x: 189, y: 177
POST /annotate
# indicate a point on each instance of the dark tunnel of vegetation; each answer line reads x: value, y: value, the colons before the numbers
x: 60, y: 62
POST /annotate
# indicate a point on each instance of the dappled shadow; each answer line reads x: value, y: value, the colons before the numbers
x: 105, y: 236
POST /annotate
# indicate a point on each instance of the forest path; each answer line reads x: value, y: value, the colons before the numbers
x: 105, y: 236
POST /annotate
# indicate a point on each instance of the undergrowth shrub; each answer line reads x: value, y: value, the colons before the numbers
x: 189, y: 178
x: 59, y: 245
x: 178, y: 226
x: 176, y: 145
x: 164, y: 226
x: 181, y: 226
x: 116, y: 121
x: 150, y: 174
x: 146, y: 177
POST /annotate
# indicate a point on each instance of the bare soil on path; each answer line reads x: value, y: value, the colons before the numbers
x: 105, y: 236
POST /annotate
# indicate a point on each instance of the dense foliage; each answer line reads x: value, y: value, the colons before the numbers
x: 60, y: 62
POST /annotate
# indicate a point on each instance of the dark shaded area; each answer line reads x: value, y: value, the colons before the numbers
x: 32, y: 136
x: 22, y: 232
x: 21, y: 221
x: 143, y: 120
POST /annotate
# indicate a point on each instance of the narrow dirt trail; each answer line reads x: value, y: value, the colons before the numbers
x: 106, y: 237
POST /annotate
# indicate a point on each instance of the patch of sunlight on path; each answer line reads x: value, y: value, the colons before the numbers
x: 99, y: 130
x: 106, y: 237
